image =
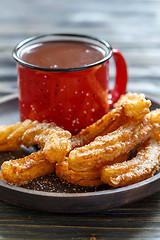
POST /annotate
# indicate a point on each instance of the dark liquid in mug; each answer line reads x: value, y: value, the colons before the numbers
x: 62, y: 54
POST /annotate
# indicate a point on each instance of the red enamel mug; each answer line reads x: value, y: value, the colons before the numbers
x: 64, y: 78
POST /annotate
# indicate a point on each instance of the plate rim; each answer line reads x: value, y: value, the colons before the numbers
x: 85, y: 194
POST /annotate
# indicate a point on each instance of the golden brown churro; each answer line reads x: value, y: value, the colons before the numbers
x: 22, y: 170
x: 11, y: 136
x: 131, y: 105
x: 135, y: 105
x: 108, y: 147
x: 54, y: 141
x: 90, y: 178
x: 141, y: 167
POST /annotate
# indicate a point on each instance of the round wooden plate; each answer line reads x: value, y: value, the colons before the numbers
x: 51, y: 194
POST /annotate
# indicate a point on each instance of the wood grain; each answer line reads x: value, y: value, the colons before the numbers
x: 135, y: 221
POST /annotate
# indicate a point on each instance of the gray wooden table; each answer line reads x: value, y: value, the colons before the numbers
x: 134, y: 28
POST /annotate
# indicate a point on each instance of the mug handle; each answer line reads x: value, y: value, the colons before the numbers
x: 121, y: 78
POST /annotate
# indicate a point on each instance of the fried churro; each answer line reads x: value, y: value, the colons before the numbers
x: 130, y: 105
x: 108, y: 147
x: 11, y: 135
x: 135, y: 105
x: 91, y: 178
x: 141, y: 167
x: 22, y: 170
x: 54, y: 141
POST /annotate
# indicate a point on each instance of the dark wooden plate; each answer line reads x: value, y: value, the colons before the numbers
x: 51, y: 194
